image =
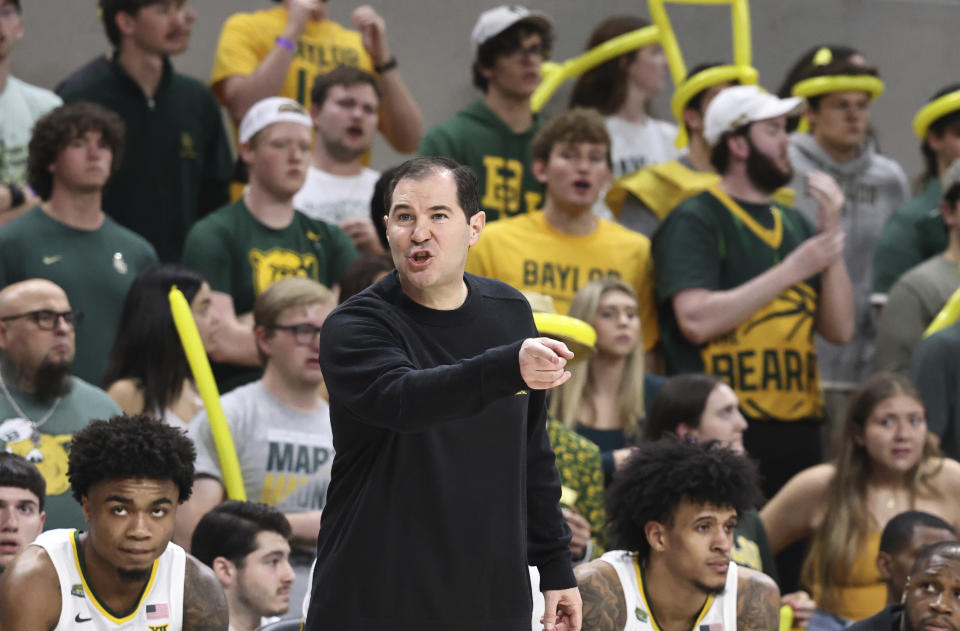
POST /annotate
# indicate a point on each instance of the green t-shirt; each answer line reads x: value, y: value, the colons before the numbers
x: 176, y: 163
x: 240, y: 256
x: 911, y: 235
x: 49, y: 447
x: 713, y: 242
x: 751, y: 548
x: 499, y: 156
x: 94, y: 267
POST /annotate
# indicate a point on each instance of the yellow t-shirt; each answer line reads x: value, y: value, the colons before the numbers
x: 529, y: 254
x: 247, y: 38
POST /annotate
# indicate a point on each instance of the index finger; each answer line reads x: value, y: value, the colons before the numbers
x: 557, y: 347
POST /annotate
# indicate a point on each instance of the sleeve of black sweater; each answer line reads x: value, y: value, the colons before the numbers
x: 369, y: 369
x: 548, y: 536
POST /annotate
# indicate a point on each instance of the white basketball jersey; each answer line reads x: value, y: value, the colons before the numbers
x: 719, y: 613
x: 160, y: 607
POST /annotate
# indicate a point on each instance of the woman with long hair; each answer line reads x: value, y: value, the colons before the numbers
x: 603, y: 400
x: 887, y: 463
x: 621, y: 89
x: 148, y: 370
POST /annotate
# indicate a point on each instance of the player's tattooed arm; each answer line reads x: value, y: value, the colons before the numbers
x: 758, y: 602
x: 604, y: 606
x: 204, y: 604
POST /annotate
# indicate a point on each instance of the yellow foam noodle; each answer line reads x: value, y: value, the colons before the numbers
x: 947, y: 316
x: 207, y: 387
x: 555, y: 74
x: 933, y: 110
x: 744, y: 75
x: 815, y: 86
x: 786, y: 618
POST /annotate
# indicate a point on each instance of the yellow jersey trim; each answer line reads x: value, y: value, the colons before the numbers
x: 75, y: 543
x: 771, y: 236
x: 653, y: 618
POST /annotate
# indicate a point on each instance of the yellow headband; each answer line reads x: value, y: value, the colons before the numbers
x: 933, y: 110
x: 815, y: 86
x: 745, y: 75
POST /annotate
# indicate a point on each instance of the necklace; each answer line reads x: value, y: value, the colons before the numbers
x: 16, y: 408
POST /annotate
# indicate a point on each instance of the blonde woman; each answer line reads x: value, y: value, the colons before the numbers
x: 887, y: 464
x: 603, y: 400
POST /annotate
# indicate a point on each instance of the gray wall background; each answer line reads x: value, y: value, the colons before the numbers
x: 911, y: 41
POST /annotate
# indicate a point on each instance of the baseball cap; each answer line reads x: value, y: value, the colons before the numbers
x: 494, y: 21
x: 739, y: 105
x: 272, y: 110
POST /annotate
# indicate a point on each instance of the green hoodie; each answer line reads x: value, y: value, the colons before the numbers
x: 501, y: 158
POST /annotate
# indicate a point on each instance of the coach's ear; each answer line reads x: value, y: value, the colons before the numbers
x: 656, y: 534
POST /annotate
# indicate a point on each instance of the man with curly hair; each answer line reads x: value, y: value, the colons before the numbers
x: 129, y: 474
x: 67, y: 239
x: 672, y: 513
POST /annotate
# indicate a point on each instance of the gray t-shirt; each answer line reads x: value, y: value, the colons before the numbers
x: 912, y: 304
x: 47, y: 445
x: 285, y: 455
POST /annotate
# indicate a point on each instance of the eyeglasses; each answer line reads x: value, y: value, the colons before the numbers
x: 47, y: 320
x: 303, y: 333
x: 534, y: 50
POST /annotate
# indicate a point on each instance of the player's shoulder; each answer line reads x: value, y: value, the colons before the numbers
x: 204, y: 603
x: 31, y: 577
x: 758, y: 601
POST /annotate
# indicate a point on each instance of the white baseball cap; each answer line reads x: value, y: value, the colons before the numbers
x: 272, y: 110
x: 494, y: 21
x: 738, y: 105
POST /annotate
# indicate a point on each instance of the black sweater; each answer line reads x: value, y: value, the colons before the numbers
x: 444, y: 485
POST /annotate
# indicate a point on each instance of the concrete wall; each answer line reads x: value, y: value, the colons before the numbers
x: 911, y: 41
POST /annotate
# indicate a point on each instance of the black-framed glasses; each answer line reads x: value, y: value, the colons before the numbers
x: 47, y: 319
x: 303, y: 333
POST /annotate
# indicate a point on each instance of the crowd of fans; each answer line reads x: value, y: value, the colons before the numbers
x: 763, y: 289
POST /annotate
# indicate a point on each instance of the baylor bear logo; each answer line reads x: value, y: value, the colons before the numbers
x: 48, y: 453
x: 279, y: 263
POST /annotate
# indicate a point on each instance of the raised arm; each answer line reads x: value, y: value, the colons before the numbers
x: 369, y: 371
x: 835, y: 313
x: 400, y: 119
x: 30, y: 578
x: 604, y: 605
x: 204, y: 603
x: 758, y: 602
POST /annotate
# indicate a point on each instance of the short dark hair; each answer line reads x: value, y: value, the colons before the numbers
x: 135, y: 446
x: 14, y: 3
x: 361, y: 273
x: 230, y: 530
x: 379, y: 206
x: 720, y: 152
x: 899, y: 529
x: 948, y: 549
x: 509, y: 41
x: 579, y: 124
x: 681, y: 399
x: 796, y: 72
x: 468, y: 194
x: 57, y: 129
x: 948, y: 122
x: 347, y: 76
x: 835, y: 67
x: 18, y: 472
x: 109, y: 10
x: 605, y: 87
x: 664, y: 473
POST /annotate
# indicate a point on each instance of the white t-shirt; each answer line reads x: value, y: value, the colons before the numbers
x: 21, y: 104
x: 333, y: 198
x: 634, y: 146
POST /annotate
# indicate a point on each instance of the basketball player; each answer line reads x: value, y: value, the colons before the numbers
x: 129, y: 474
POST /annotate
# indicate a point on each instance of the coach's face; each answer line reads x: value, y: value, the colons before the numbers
x: 429, y: 236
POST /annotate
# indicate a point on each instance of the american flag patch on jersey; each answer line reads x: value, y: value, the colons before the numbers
x: 715, y: 626
x: 156, y: 612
